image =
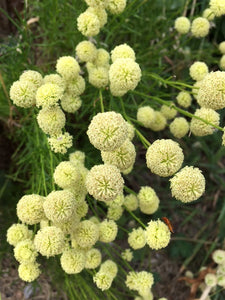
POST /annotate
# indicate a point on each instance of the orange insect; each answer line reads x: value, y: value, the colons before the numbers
x: 167, y: 221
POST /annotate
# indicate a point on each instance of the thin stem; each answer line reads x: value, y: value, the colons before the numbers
x: 135, y: 217
x: 101, y: 101
x: 128, y: 190
x: 172, y: 105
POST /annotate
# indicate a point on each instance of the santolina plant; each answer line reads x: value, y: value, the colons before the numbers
x: 77, y: 219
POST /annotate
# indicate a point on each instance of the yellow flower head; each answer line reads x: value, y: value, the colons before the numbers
x: 208, y: 14
x: 61, y: 142
x: 67, y: 67
x: 140, y: 281
x: 102, y: 59
x: 51, y: 120
x: 100, y: 13
x: 164, y: 157
x: 59, y: 206
x: 119, y: 200
x: 77, y: 156
x: 148, y: 200
x: 159, y: 123
x: 93, y: 258
x: 98, y: 77
x: 86, y: 234
x: 222, y: 62
x: 219, y: 256
x: 168, y: 112
x: 88, y: 24
x: 114, y: 212
x: 70, y: 103
x: 73, y: 261
x: 198, y: 70
x: 29, y: 271
x: 109, y: 267
x: 30, y: 209
x: 76, y: 86
x: 86, y: 51
x: 182, y: 25
x: 122, y: 51
x: 49, y: 241
x: 55, y: 79
x: 107, y: 231
x: 218, y: 7
x: 212, y: 90
x: 48, y: 95
x: 198, y: 127
x: 210, y: 279
x: 127, y: 255
x: 25, y: 251
x: 123, y: 157
x: 131, y: 202
x: 104, y: 182
x: 116, y: 7
x: 107, y: 131
x: 179, y: 127
x: 97, y: 3
x: 137, y: 239
x: 103, y: 280
x: 222, y: 47
x: 146, y: 116
x: 200, y: 27
x: 131, y: 131
x: 188, y: 184
x: 184, y: 99
x: 157, y: 235
x: 17, y: 233
x: 66, y: 174
x: 32, y: 76
x: 22, y: 93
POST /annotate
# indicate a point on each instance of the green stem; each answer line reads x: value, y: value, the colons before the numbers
x: 172, y: 105
x: 130, y: 191
x: 101, y: 101
x: 135, y: 217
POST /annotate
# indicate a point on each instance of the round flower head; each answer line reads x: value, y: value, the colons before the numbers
x: 76, y: 86
x: 32, y: 76
x: 97, y: 3
x: 51, y: 120
x: 114, y: 212
x: 25, y: 251
x: 200, y: 27
x: 95, y: 220
x: 164, y: 157
x: 55, y: 79
x: 100, y: 13
x: 146, y: 116
x: 182, y: 25
x: 222, y: 62
x: 210, y: 280
x: 123, y: 157
x: 188, y: 184
x: 179, y: 127
x: 137, y: 239
x: 30, y: 209
x: 88, y: 24
x: 81, y: 208
x: 212, y: 90
x: 93, y: 258
x: 219, y: 256
x: 124, y: 74
x: 61, y: 143
x: 220, y: 269
x: 168, y: 112
x: 103, y: 280
x: 59, y: 206
x: 159, y: 123
x: 102, y: 59
x: 77, y: 156
x: 218, y: 7
x: 73, y: 261
x: 116, y: 7
x: 157, y: 235
x: 184, y: 99
x: 208, y: 14
x: 148, y: 200
x: 119, y: 200
x: 48, y: 95
x: 198, y: 127
x: 67, y: 67
x: 86, y: 51
x: 29, y: 271
x: 104, y: 182
x: 222, y: 47
x: 128, y: 171
x: 22, y: 93
x: 87, y: 234
x: 109, y: 267
x: 131, y: 131
x: 70, y: 225
x: 49, y: 241
x: 107, y: 131
x: 140, y: 281
x: 70, y: 103
x: 66, y: 174
x: 195, y: 89
x: 98, y: 77
x: 198, y: 70
x: 17, y: 233
x: 122, y: 51
x: 107, y: 231
x: 127, y: 255
x: 131, y: 202
x: 220, y: 280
